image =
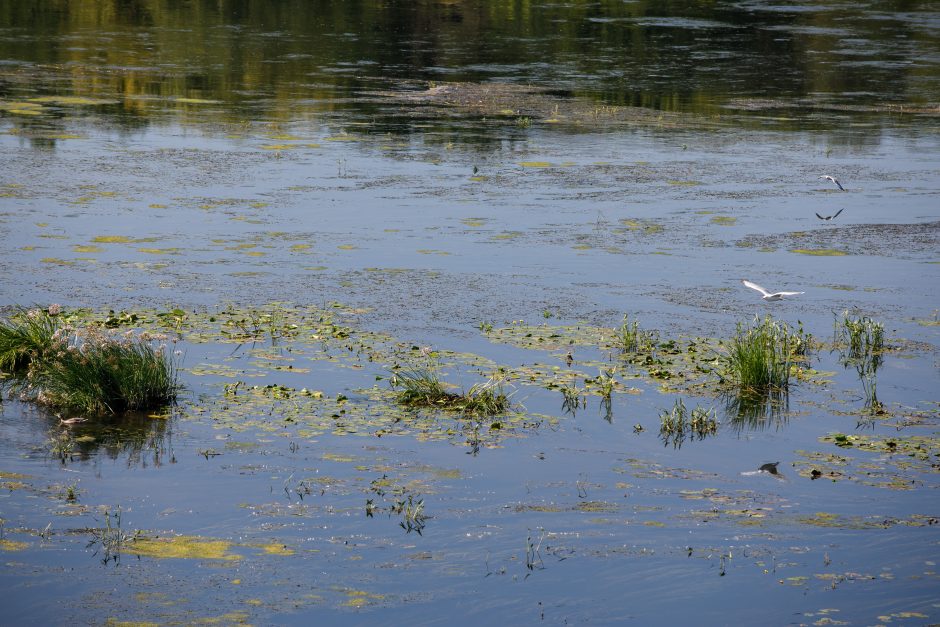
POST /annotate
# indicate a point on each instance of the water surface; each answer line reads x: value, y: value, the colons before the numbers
x: 481, y: 180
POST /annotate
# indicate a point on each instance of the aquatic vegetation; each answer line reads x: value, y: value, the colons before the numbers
x: 758, y: 364
x: 573, y: 398
x: 678, y: 424
x: 860, y: 342
x: 412, y: 513
x: 111, y: 538
x: 88, y: 371
x: 101, y: 373
x: 182, y: 547
x: 420, y: 387
x: 631, y: 339
x: 26, y: 336
x: 760, y: 356
x: 863, y: 338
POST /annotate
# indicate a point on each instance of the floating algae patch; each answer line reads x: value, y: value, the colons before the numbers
x: 724, y: 220
x: 78, y: 248
x: 74, y: 100
x: 12, y: 545
x: 819, y: 252
x: 182, y: 547
x: 535, y: 164
x: 159, y: 251
x: 644, y: 226
x: 361, y: 598
x: 122, y: 239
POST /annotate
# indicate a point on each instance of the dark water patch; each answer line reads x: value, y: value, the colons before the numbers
x: 903, y: 241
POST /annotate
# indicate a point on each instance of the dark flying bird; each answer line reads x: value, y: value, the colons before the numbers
x: 769, y: 295
x: 833, y: 179
x: 771, y: 468
x: 829, y: 217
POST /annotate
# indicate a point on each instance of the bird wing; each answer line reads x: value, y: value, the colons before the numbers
x: 837, y: 213
x: 839, y: 184
x: 755, y: 286
x: 820, y: 217
x: 789, y: 293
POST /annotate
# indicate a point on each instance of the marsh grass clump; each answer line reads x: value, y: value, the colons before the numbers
x: 630, y: 338
x: 104, y: 374
x: 419, y: 386
x: 863, y: 339
x: 678, y: 424
x: 88, y: 371
x: 25, y: 337
x: 760, y: 356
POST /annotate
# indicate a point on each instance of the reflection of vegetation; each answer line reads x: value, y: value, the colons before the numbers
x: 860, y: 342
x: 678, y: 424
x: 569, y: 38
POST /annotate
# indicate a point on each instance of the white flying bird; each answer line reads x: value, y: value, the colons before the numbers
x: 833, y: 179
x: 768, y: 295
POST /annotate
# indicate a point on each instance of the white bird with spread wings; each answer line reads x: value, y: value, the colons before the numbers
x: 769, y: 295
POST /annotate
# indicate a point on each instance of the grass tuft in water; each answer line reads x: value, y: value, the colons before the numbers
x: 631, y: 338
x: 104, y: 374
x: 760, y: 356
x: 678, y: 424
x: 420, y: 387
x: 860, y: 342
x: 863, y: 339
x: 88, y: 371
x: 25, y: 337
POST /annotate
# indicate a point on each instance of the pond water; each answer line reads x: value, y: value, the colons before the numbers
x: 304, y: 195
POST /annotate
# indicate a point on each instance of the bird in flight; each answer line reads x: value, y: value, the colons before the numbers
x: 833, y: 179
x: 829, y: 217
x: 769, y: 295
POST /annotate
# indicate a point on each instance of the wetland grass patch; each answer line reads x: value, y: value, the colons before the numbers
x: 860, y: 342
x: 679, y: 424
x: 759, y: 363
x: 25, y: 337
x: 419, y: 386
x: 630, y: 338
x: 89, y: 371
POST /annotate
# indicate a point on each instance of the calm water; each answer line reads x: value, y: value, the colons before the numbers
x: 480, y: 178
